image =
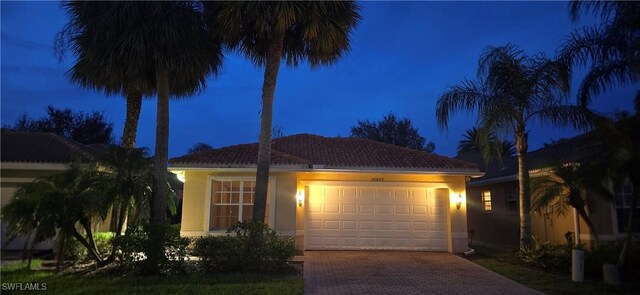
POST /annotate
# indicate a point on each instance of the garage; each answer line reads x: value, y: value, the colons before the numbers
x: 361, y: 216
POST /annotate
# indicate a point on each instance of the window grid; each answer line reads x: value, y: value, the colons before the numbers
x: 486, y: 201
x: 231, y: 202
x: 512, y: 199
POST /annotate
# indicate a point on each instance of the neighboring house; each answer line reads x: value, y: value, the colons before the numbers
x: 493, y: 200
x: 26, y: 156
x: 332, y: 193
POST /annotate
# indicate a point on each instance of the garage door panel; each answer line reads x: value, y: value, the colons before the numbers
x: 403, y: 225
x: 349, y: 209
x: 365, y: 225
x: 402, y: 209
x: 371, y: 217
x: 436, y: 227
x: 367, y: 209
x: 422, y: 210
x: 384, y: 209
x: 384, y: 225
x: 332, y: 224
x: 350, y: 225
x: 331, y: 208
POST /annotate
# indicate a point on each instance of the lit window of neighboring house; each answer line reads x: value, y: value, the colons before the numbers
x: 231, y: 202
x: 486, y: 201
x: 624, y: 193
x: 512, y: 199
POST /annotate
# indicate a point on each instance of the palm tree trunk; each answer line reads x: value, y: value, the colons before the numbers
x: 134, y: 105
x: 86, y: 244
x: 264, y: 148
x: 524, y: 191
x: 635, y: 195
x: 592, y: 228
x: 159, y: 206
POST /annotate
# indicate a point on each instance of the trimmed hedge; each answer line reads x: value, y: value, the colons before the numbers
x: 247, y: 247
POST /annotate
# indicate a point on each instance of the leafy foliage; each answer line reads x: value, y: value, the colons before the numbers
x: 84, y: 128
x: 512, y: 91
x: 266, y: 32
x: 199, y: 147
x: 137, y: 244
x: 75, y: 251
x: 557, y: 258
x: 572, y: 185
x: 59, y: 201
x: 248, y: 247
x: 392, y: 131
x: 611, y: 47
x: 472, y: 142
x: 546, y: 256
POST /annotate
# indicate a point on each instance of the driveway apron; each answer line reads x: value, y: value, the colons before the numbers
x: 396, y: 272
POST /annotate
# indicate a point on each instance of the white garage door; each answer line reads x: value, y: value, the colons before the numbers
x: 373, y: 217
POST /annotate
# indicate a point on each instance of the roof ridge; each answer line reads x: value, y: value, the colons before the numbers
x: 72, y: 144
x: 291, y: 156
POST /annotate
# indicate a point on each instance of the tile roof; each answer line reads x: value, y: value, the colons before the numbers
x: 565, y: 150
x: 307, y: 150
x: 34, y: 147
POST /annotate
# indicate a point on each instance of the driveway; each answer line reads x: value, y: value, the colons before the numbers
x: 395, y: 272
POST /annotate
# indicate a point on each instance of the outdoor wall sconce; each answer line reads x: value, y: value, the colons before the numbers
x: 459, y: 202
x: 300, y: 198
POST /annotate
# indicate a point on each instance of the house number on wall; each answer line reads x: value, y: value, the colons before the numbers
x: 379, y: 179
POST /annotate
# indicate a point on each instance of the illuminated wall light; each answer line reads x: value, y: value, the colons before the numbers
x: 459, y: 202
x: 300, y: 198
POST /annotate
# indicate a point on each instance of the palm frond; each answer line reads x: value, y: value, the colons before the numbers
x: 563, y: 115
x: 602, y: 77
x: 467, y: 96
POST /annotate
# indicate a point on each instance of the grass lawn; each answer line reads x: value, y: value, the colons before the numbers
x: 549, y: 283
x: 175, y: 284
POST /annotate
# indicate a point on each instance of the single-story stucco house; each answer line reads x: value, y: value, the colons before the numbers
x: 493, y: 201
x: 26, y: 156
x: 332, y: 193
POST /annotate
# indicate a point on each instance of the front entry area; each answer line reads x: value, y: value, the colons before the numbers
x: 370, y: 216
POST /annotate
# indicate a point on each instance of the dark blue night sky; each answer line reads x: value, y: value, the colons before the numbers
x: 404, y: 55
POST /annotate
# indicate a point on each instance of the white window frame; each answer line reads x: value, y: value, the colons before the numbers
x: 624, y: 206
x: 508, y: 192
x: 207, y: 210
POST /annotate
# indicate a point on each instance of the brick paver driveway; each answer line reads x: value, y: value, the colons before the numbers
x: 395, y: 272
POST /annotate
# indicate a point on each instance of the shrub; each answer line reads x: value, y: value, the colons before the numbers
x: 131, y: 245
x: 248, y: 247
x: 74, y: 250
x: 104, y: 242
x: 556, y: 258
x: 136, y: 249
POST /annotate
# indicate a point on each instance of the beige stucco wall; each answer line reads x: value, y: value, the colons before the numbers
x: 500, y: 227
x: 10, y: 180
x: 289, y: 217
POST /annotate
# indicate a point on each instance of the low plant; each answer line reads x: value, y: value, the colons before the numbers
x: 136, y: 245
x: 543, y: 255
x: 247, y: 247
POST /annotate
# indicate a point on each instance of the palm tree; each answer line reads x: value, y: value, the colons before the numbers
x: 97, y: 67
x: 126, y: 174
x: 476, y: 141
x: 162, y: 44
x: 266, y: 33
x: 513, y: 90
x: 622, y: 153
x: 575, y: 185
x: 59, y: 201
x: 611, y: 48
